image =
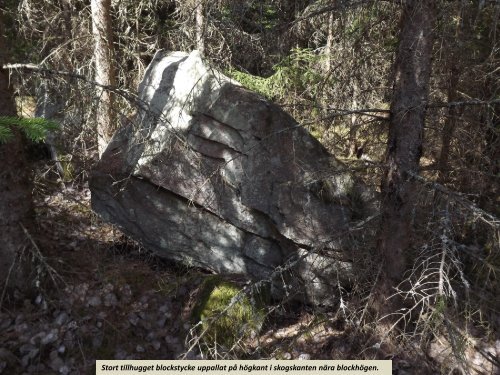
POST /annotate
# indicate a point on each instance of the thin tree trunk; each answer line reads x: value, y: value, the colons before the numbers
x: 451, y: 120
x: 449, y: 127
x: 200, y: 26
x: 353, y: 145
x: 329, y: 43
x: 16, y: 205
x: 66, y: 6
x: 47, y: 108
x: 104, y: 71
x: 404, y: 146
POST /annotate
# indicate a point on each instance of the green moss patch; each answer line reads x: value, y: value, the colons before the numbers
x: 228, y: 315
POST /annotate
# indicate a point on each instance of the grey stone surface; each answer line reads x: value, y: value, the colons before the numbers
x: 213, y: 175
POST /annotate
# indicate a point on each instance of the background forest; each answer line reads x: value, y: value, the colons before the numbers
x: 75, y: 289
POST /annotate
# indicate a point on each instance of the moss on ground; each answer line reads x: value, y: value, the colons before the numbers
x: 225, y: 320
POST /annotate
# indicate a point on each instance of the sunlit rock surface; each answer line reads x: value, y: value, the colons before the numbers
x: 213, y: 175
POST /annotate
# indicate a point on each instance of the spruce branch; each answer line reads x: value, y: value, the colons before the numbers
x: 36, y: 129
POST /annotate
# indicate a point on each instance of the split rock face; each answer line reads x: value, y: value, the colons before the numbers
x: 215, y: 176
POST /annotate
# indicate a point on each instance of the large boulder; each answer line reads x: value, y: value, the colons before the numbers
x: 215, y: 176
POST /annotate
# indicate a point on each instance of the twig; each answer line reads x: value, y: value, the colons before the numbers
x: 346, y: 112
x: 7, y: 282
x: 37, y: 68
x: 474, y: 102
x: 338, y: 5
x: 41, y: 259
x: 483, y: 215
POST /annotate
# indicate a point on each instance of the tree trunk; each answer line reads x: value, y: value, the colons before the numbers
x: 66, y: 14
x: 16, y: 205
x: 353, y: 131
x: 329, y: 43
x: 47, y: 108
x: 200, y: 27
x: 449, y: 127
x: 104, y: 71
x: 404, y: 146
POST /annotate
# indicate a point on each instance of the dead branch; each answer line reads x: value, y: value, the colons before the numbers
x: 483, y: 215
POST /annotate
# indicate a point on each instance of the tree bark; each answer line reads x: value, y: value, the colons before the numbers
x: 16, y: 205
x: 104, y: 71
x: 353, y: 132
x: 329, y: 42
x: 47, y: 108
x: 404, y: 146
x: 200, y: 26
x: 449, y: 127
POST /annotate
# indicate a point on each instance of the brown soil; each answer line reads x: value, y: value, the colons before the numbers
x: 99, y: 295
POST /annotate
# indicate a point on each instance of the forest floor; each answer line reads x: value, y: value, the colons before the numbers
x: 101, y: 296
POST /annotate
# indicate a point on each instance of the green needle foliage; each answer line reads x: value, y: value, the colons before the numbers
x: 298, y: 74
x: 36, y: 129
